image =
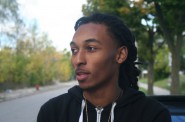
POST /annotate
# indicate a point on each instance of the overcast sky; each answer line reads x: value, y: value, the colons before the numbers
x: 56, y: 17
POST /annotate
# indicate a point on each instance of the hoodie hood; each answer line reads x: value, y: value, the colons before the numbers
x: 129, y: 95
x: 132, y: 106
x: 76, y: 92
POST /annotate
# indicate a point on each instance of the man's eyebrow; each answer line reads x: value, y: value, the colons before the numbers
x: 92, y: 40
x: 87, y: 41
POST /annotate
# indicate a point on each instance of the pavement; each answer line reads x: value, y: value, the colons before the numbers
x: 14, y: 94
x: 157, y: 90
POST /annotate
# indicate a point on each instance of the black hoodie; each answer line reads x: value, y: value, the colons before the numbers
x: 132, y: 106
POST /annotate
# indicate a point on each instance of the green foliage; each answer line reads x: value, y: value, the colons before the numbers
x: 143, y: 52
x: 34, y: 61
x: 30, y: 69
x: 30, y: 59
x: 7, y: 64
x: 161, y: 67
x: 64, y: 70
x: 174, y: 11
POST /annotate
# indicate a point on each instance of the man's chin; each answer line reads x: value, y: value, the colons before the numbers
x: 84, y: 86
x: 88, y: 87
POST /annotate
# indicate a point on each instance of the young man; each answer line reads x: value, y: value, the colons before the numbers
x: 103, y: 56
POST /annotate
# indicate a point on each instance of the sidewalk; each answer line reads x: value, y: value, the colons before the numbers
x: 157, y: 90
x: 13, y: 94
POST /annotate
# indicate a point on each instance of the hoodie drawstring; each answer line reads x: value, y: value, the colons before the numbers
x: 82, y: 109
x: 98, y: 113
x: 111, y: 112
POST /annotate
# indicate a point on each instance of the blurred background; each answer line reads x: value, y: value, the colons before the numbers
x: 35, y: 37
x: 35, y: 54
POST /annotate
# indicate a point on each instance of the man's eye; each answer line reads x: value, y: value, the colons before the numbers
x: 74, y: 50
x: 91, y: 49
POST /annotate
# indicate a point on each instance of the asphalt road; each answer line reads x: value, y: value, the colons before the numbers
x: 26, y: 109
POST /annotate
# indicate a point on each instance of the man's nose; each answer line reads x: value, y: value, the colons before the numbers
x: 80, y: 58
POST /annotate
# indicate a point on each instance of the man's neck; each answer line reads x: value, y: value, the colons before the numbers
x: 103, y: 97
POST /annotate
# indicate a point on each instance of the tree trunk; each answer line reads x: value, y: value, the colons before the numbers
x: 150, y: 77
x: 151, y: 61
x: 175, y: 85
x: 175, y: 68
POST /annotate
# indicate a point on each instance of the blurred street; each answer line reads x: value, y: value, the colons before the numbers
x: 25, y: 108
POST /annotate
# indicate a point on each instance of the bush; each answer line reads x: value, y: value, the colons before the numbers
x: 161, y: 72
x: 161, y: 66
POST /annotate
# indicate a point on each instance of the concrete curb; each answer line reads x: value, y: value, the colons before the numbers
x: 19, y: 93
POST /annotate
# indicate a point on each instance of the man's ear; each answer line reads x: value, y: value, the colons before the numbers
x: 122, y: 54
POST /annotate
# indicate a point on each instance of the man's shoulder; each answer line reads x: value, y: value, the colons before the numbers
x: 58, y: 100
x: 144, y: 102
x: 72, y: 95
x: 57, y: 108
x: 154, y: 102
x: 152, y: 107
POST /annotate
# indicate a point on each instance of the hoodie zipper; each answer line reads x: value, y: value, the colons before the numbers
x: 98, y: 113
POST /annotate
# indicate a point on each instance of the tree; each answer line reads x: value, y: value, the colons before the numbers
x: 6, y: 64
x: 147, y: 37
x: 183, y: 58
x: 9, y: 20
x: 32, y: 59
x: 161, y: 67
x: 171, y: 17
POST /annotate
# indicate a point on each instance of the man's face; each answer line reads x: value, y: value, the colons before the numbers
x: 93, y: 56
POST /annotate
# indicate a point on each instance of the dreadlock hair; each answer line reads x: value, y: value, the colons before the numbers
x: 128, y: 72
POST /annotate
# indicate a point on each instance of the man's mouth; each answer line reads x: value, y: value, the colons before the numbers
x: 81, y: 74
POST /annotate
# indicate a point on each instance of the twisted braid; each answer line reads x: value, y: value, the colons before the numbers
x: 128, y: 72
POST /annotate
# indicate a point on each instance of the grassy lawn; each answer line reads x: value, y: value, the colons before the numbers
x: 143, y: 80
x: 165, y: 84
x: 182, y: 81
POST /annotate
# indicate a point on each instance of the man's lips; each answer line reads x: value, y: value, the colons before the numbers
x: 81, y: 74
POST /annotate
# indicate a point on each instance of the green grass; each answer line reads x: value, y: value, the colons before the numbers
x: 182, y: 78
x: 160, y: 83
x: 182, y: 84
x: 165, y: 84
x: 143, y: 80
